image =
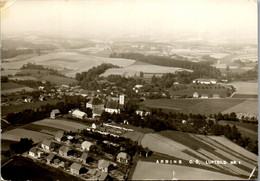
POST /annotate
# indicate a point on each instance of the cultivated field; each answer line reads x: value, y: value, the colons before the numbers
x: 73, y: 62
x: 135, y: 69
x: 248, y: 106
x: 187, y: 147
x: 195, y: 106
x: 154, y: 171
x: 246, y: 87
x: 21, y: 78
x: 10, y: 87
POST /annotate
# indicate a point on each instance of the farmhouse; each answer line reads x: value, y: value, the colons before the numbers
x: 86, y: 145
x: 95, y: 103
x: 103, y: 165
x: 96, y: 113
x: 47, y: 144
x: 143, y: 112
x: 195, y: 95
x: 55, y: 113
x: 50, y: 158
x: 204, y: 81
x: 123, y: 158
x: 79, y: 114
x: 204, y: 96
x: 112, y: 107
x: 59, y: 135
x: 33, y: 152
x: 84, y: 157
x: 76, y: 168
x: 64, y: 150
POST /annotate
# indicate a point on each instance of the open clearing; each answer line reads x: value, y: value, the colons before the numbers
x: 10, y: 87
x: 155, y: 171
x: 195, y: 106
x: 75, y: 62
x: 246, y: 87
x: 247, y: 106
x: 204, y: 148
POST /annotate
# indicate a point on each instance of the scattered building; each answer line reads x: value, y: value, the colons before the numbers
x: 33, y: 152
x: 216, y: 96
x: 84, y: 157
x: 112, y: 107
x: 47, y: 144
x: 204, y: 96
x: 103, y: 165
x: 79, y: 114
x: 64, y: 150
x: 59, y: 135
x: 50, y: 158
x: 86, y: 145
x: 76, y: 168
x: 55, y: 113
x: 94, y: 126
x: 123, y: 157
x: 122, y: 99
x: 95, y: 103
x: 195, y: 95
x: 204, y: 81
x: 143, y: 112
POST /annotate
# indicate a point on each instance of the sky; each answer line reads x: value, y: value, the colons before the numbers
x: 231, y: 18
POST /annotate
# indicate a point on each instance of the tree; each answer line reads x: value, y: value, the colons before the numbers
x: 22, y: 146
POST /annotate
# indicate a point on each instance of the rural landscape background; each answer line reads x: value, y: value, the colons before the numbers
x: 129, y: 90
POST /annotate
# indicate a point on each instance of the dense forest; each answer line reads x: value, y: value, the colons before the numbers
x: 200, y: 69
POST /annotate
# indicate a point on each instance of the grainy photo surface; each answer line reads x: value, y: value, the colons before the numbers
x: 129, y: 90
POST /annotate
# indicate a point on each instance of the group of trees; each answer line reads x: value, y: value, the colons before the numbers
x: 94, y: 72
x: 200, y: 69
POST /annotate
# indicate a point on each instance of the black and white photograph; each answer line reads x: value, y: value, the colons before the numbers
x: 129, y: 90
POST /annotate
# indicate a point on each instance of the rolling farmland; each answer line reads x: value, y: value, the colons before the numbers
x: 246, y: 87
x: 186, y: 146
x: 10, y: 87
x: 195, y: 106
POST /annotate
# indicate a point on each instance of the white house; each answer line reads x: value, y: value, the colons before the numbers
x: 79, y: 114
x: 86, y: 145
x: 33, y: 152
x: 55, y: 113
x: 47, y: 144
x: 204, y: 81
x: 204, y: 96
x: 195, y: 95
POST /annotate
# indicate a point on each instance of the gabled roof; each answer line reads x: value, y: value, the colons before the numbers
x: 103, y: 163
x: 46, y: 142
x: 55, y: 111
x: 112, y: 105
x: 86, y: 144
x: 84, y: 156
x: 76, y: 166
x: 95, y: 101
x: 97, y: 111
x: 64, y: 149
x: 59, y: 134
x: 123, y: 155
x: 79, y: 113
x: 50, y: 156
x: 33, y: 150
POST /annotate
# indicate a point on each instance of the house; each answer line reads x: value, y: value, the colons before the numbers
x: 204, y: 96
x: 59, y: 135
x: 95, y: 103
x: 55, y: 113
x: 79, y: 114
x: 183, y: 121
x: 84, y: 157
x: 50, y: 158
x: 216, y: 96
x: 86, y: 145
x: 112, y: 107
x: 103, y: 165
x: 123, y: 157
x: 195, y: 95
x: 33, y: 152
x: 64, y: 150
x: 204, y: 81
x: 76, y: 168
x: 94, y: 126
x: 142, y: 112
x: 96, y: 113
x: 122, y: 99
x: 47, y: 144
